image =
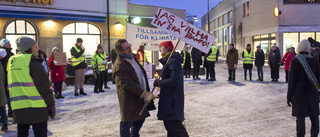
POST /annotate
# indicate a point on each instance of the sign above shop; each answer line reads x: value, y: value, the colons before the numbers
x: 183, y: 30
x: 37, y: 1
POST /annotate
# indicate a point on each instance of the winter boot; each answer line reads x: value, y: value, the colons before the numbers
x: 4, y: 128
x: 60, y: 95
x: 76, y: 94
x: 82, y: 92
x: 56, y: 96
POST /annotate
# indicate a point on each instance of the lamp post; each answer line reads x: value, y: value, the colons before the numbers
x: 108, y: 24
x: 208, y: 19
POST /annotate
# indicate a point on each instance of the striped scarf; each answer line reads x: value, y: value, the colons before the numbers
x: 307, y: 69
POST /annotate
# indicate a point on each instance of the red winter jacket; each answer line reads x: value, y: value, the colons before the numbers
x: 57, y: 72
x: 288, y: 57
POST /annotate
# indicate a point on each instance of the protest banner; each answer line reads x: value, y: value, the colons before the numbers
x: 150, y: 37
x: 61, y: 58
x: 180, y: 28
x: 148, y: 68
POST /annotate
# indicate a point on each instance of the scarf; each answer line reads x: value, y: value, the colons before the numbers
x: 307, y: 69
x: 167, y: 54
x: 127, y: 56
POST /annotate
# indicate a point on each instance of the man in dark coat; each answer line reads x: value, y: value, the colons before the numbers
x: 196, y: 59
x: 274, y: 62
x: 301, y: 92
x: 171, y: 100
x: 259, y: 62
x: 5, y: 44
x: 132, y: 88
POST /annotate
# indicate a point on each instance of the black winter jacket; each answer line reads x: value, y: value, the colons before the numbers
x: 259, y: 58
x: 274, y: 58
x: 171, y: 100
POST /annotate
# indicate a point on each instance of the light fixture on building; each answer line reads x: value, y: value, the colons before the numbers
x: 195, y: 19
x: 276, y: 12
x: 50, y: 21
x: 136, y: 20
x: 118, y: 26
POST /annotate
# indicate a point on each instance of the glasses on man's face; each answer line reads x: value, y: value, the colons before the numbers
x: 128, y: 47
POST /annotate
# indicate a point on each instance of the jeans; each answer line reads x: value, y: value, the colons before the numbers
x: 232, y: 74
x: 3, y: 114
x: 40, y: 129
x: 245, y: 74
x: 9, y: 105
x: 135, y: 128
x: 260, y: 72
x: 175, y: 129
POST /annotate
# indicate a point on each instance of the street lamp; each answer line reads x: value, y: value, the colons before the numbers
x: 195, y: 19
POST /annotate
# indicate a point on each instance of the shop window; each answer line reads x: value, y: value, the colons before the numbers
x: 90, y: 34
x: 306, y: 35
x: 317, y: 36
x: 16, y: 29
x: 290, y: 40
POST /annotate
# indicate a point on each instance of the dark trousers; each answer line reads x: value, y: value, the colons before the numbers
x: 232, y: 74
x: 187, y: 72
x: 105, y: 78
x: 40, y: 129
x: 250, y: 74
x: 3, y: 114
x: 99, y: 81
x: 275, y: 73
x: 196, y: 69
x: 260, y: 72
x: 287, y: 75
x: 175, y: 129
x: 9, y: 105
x: 134, y: 126
x: 211, y: 69
x: 301, y: 127
x: 57, y: 87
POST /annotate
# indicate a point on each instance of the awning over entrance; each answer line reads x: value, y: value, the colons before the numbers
x: 54, y: 16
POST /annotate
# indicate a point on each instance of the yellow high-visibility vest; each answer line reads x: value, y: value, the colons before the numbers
x: 142, y: 59
x: 184, y: 57
x: 22, y: 90
x: 97, y: 60
x: 77, y: 61
x: 213, y: 55
x: 247, y: 58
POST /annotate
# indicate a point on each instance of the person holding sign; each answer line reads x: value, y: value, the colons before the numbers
x: 99, y: 64
x: 132, y: 88
x: 57, y: 74
x: 171, y: 100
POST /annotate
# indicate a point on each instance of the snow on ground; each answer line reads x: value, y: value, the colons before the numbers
x: 221, y: 109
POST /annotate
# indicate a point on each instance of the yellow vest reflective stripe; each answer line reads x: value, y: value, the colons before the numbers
x: 77, y: 61
x: 142, y: 58
x: 247, y: 58
x: 96, y: 62
x: 213, y: 55
x: 22, y: 90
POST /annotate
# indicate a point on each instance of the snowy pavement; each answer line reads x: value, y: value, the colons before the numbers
x: 218, y: 109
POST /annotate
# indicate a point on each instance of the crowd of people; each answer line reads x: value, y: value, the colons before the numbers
x: 25, y: 86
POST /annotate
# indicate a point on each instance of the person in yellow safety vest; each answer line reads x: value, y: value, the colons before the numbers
x: 99, y: 65
x: 78, y: 61
x: 211, y: 60
x: 187, y: 60
x: 247, y: 56
x: 32, y: 99
x: 141, y: 57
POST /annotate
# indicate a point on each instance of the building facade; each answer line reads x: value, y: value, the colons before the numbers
x: 253, y: 22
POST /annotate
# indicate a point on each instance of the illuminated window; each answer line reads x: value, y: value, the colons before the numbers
x: 246, y: 9
x: 18, y: 28
x: 90, y: 34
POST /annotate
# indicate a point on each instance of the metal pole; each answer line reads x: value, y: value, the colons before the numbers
x: 208, y: 19
x: 108, y: 25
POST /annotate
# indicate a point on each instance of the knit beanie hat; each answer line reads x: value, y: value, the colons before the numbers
x: 3, y: 53
x: 303, y: 46
x: 55, y: 48
x: 79, y: 40
x: 3, y: 42
x: 24, y: 43
x: 99, y: 46
x: 167, y: 44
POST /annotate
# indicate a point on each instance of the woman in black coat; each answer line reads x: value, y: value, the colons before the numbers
x: 301, y: 93
x: 274, y: 62
x: 171, y: 99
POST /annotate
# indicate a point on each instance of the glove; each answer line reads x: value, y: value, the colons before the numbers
x: 235, y: 65
x: 155, y: 83
x: 281, y: 64
x: 104, y: 62
x: 55, y: 62
x: 147, y: 96
x: 52, y: 112
x: 289, y: 102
